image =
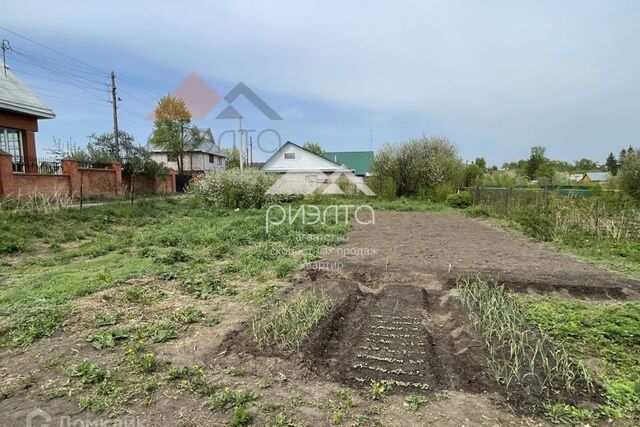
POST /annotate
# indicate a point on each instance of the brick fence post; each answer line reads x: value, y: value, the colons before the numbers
x: 70, y: 168
x: 117, y: 169
x: 6, y: 174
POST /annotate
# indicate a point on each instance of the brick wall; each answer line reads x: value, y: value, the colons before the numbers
x: 76, y: 181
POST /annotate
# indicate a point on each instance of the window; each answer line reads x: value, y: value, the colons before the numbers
x: 219, y: 160
x: 11, y: 142
x: 212, y: 158
x: 290, y: 156
x: 172, y: 157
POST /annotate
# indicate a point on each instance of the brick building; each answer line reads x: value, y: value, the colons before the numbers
x: 20, y: 110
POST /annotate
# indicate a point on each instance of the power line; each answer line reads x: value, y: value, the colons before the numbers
x: 52, y: 50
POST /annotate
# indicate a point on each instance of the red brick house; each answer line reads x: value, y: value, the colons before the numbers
x: 20, y: 110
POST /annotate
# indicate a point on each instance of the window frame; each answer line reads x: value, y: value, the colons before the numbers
x: 17, y: 148
x: 290, y: 155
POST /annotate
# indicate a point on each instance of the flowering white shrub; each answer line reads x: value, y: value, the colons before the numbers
x: 233, y: 189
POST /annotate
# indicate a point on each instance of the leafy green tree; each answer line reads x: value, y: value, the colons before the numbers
x: 586, y: 165
x: 629, y: 174
x: 472, y: 174
x: 536, y: 160
x: 611, y: 164
x: 173, y: 131
x: 482, y: 163
x: 233, y: 158
x: 314, y: 148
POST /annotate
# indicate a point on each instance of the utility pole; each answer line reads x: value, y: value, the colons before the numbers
x: 241, y: 153
x: 6, y: 47
x: 114, y: 101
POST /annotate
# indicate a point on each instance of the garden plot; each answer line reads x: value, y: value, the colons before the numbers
x: 413, y: 339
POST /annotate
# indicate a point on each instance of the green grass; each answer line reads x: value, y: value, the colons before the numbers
x: 67, y: 254
x: 288, y: 325
x: 608, y: 335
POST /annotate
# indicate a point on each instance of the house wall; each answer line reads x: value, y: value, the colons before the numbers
x: 28, y: 125
x: 304, y: 161
x: 192, y: 162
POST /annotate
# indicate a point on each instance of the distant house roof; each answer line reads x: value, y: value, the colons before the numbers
x: 598, y: 176
x: 300, y: 160
x: 358, y: 161
x: 17, y: 97
x: 576, y: 177
x: 207, y: 146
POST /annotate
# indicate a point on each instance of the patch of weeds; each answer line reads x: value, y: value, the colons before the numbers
x: 561, y: 413
x: 32, y: 324
x: 90, y: 373
x: 205, y: 287
x: 288, y: 326
x: 134, y: 294
x: 284, y: 268
x: 236, y: 372
x: 226, y: 399
x: 174, y: 256
x: 261, y: 297
x: 107, y: 339
x: 282, y: 420
x: 604, y: 333
x: 345, y: 397
x: 150, y: 385
x: 102, y: 340
x: 106, y: 319
x: 442, y: 395
x: 192, y: 378
x: 92, y: 403
x: 296, y: 400
x: 186, y: 315
x: 270, y: 407
x: 379, y: 390
x: 241, y: 416
x: 144, y: 362
x: 212, y: 319
x: 414, y: 401
x: 160, y: 331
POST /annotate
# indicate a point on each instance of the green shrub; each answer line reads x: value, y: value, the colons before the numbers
x: 478, y: 211
x: 460, y: 200
x: 629, y: 175
x: 419, y: 166
x: 233, y: 189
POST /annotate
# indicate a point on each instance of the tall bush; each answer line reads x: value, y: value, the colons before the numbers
x: 233, y: 189
x: 629, y: 175
x: 419, y: 166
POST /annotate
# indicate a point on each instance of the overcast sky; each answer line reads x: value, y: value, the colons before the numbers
x: 495, y: 77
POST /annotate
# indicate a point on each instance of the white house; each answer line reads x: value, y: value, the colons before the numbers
x: 304, y: 172
x: 206, y: 157
x: 293, y: 158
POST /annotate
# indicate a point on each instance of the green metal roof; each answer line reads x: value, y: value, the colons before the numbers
x: 359, y: 161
